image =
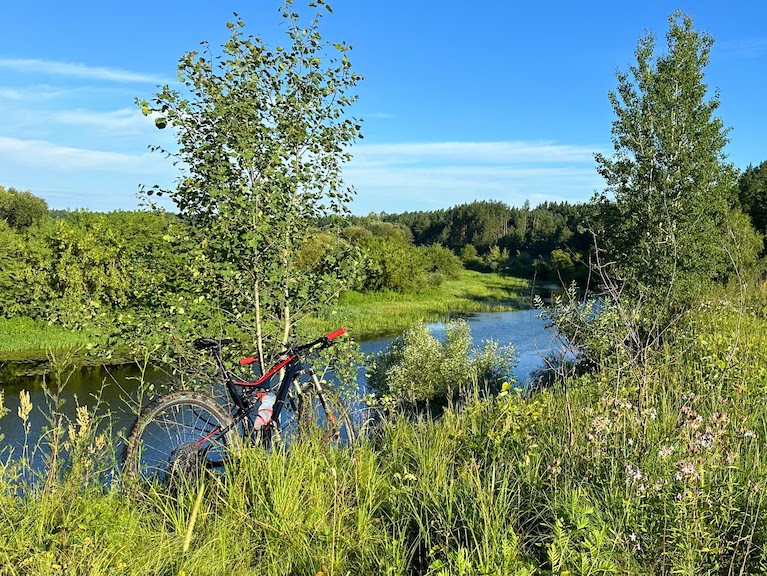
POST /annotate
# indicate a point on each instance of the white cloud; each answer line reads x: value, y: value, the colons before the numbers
x: 381, y: 115
x: 388, y: 177
x: 42, y: 155
x: 70, y: 177
x: 428, y: 176
x: 11, y: 94
x: 77, y: 70
x: 122, y: 121
x: 471, y: 152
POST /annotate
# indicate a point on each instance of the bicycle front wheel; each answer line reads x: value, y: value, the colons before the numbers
x: 177, y: 435
x: 323, y: 413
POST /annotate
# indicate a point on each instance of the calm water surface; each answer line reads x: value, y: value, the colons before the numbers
x: 116, y: 385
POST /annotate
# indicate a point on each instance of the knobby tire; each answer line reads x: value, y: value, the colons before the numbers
x: 174, y: 432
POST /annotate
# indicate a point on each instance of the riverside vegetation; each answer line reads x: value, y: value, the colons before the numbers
x: 589, y: 477
x: 365, y: 314
x: 647, y: 455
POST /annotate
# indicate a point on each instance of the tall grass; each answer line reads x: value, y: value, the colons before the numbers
x: 588, y: 477
x: 25, y: 337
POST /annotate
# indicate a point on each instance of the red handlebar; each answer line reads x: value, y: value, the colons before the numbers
x: 336, y: 334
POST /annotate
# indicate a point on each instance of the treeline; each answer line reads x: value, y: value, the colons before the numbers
x: 550, y: 240
x: 58, y: 264
x: 72, y: 265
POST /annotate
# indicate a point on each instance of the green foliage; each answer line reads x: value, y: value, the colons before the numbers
x: 262, y: 133
x: 468, y: 253
x: 582, y: 542
x: 666, y: 225
x: 442, y: 261
x: 592, y: 327
x: 743, y: 246
x: 21, y: 210
x: 12, y: 270
x: 76, y: 267
x: 391, y: 264
x: 391, y: 261
x: 496, y: 257
x: 418, y: 368
x: 752, y: 194
x: 527, y: 236
x: 584, y: 478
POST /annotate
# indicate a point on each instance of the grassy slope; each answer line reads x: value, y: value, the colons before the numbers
x: 370, y: 315
x: 22, y: 338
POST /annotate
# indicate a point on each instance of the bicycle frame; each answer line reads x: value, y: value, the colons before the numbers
x: 290, y: 362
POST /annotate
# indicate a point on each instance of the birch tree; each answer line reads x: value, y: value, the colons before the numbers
x: 263, y: 131
x: 669, y: 185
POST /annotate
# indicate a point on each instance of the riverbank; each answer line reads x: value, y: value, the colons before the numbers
x: 364, y: 315
x: 372, y: 315
x: 586, y: 478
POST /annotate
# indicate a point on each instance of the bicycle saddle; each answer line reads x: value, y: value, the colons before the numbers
x: 211, y: 343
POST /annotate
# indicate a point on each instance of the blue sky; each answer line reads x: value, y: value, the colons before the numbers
x: 502, y: 100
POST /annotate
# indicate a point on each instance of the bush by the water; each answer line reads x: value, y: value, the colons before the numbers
x: 419, y: 368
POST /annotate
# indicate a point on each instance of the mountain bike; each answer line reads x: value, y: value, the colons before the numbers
x: 184, y: 431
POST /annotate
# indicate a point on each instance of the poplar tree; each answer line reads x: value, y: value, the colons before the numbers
x: 669, y: 185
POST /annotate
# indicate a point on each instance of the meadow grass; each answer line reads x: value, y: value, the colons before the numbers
x: 26, y: 337
x: 382, y: 313
x: 613, y: 472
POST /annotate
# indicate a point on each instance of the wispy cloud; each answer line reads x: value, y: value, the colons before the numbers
x: 42, y: 155
x: 388, y: 177
x: 78, y: 70
x: 428, y: 176
x: 46, y: 93
x: 70, y: 177
x: 11, y: 94
x: 471, y: 152
x: 124, y: 120
x: 380, y: 115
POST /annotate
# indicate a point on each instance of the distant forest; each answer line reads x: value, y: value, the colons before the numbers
x: 54, y: 263
x: 551, y: 240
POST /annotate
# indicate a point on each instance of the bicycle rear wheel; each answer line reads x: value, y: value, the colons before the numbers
x: 323, y: 413
x: 178, y: 435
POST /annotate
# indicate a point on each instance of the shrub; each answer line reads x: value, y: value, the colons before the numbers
x: 419, y: 368
x: 21, y: 209
x: 441, y: 260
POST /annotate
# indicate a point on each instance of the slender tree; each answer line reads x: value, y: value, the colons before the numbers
x: 669, y: 186
x: 263, y: 132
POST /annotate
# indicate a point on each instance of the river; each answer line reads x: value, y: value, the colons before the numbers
x: 523, y: 328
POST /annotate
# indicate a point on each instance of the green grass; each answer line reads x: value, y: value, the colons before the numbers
x: 653, y: 471
x: 376, y: 314
x: 28, y: 338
